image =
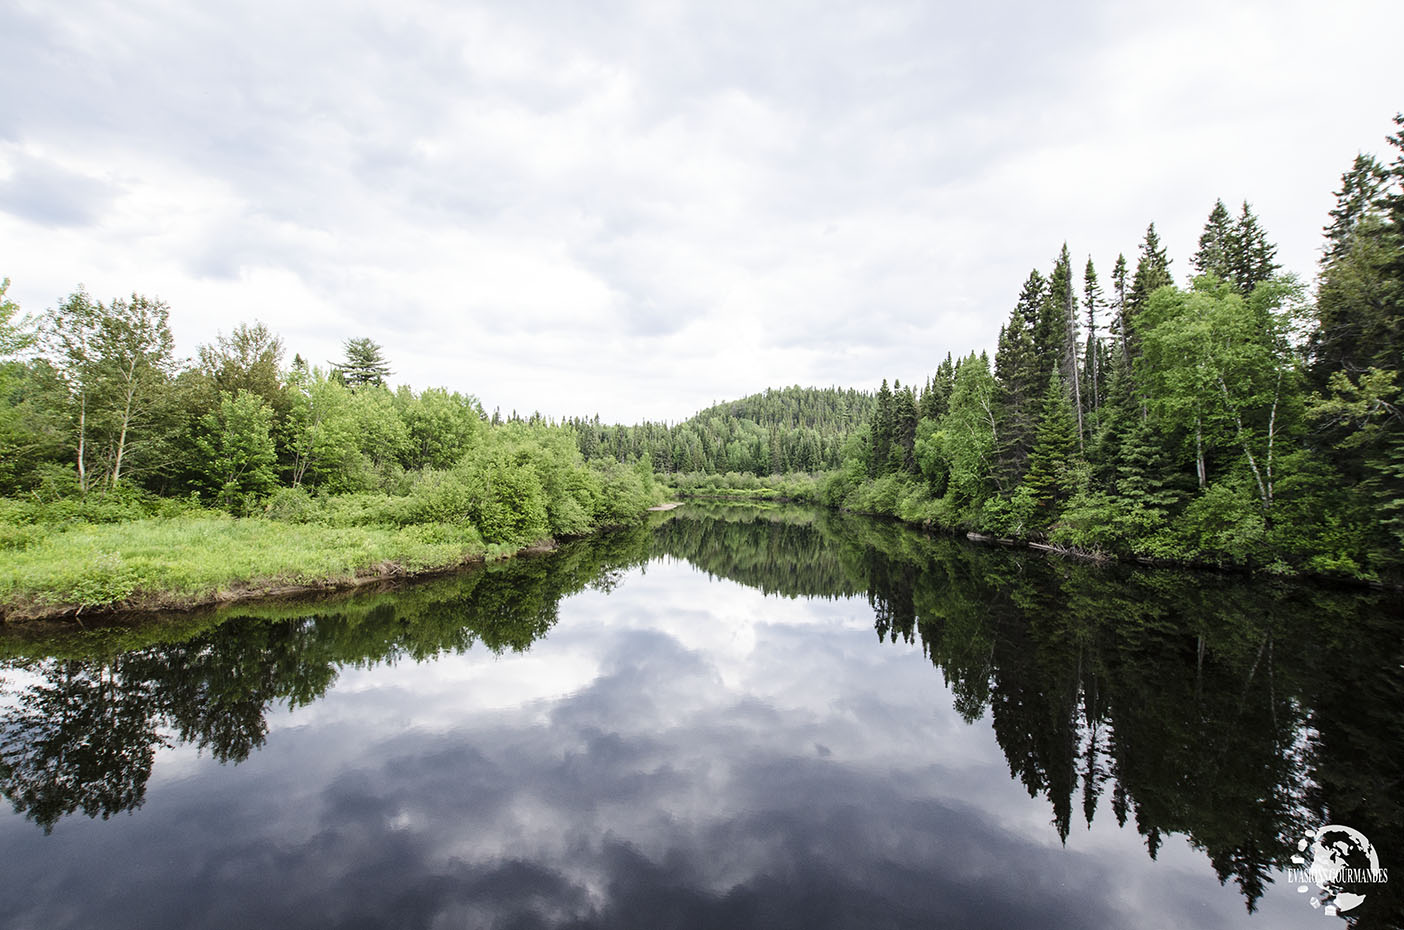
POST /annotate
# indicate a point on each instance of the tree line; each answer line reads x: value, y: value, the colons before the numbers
x: 778, y: 431
x: 1228, y: 419
x: 99, y: 421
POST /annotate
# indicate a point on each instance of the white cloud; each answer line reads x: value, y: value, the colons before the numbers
x: 637, y: 208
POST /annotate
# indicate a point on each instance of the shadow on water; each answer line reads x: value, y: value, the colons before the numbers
x: 1236, y: 713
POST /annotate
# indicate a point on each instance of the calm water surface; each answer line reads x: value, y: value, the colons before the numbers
x: 730, y: 718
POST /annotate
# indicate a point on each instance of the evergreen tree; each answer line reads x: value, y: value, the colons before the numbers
x: 882, y: 429
x: 1020, y: 376
x: 904, y: 425
x: 364, y: 364
x: 1052, y: 475
x: 936, y: 399
x: 1252, y: 260
x: 1146, y: 476
x: 1217, y: 244
x: 1051, y: 331
x: 1092, y: 302
x: 1152, y: 272
x: 1120, y: 324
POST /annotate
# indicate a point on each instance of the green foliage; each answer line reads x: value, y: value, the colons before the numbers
x: 236, y: 442
x: 1052, y: 476
x: 16, y: 332
x: 364, y: 364
x: 779, y: 431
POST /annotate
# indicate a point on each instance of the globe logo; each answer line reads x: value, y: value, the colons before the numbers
x: 1342, y: 862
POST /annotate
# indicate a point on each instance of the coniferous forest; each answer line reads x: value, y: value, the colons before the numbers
x: 1226, y: 413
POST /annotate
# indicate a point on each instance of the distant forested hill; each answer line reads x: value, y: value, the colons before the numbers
x: 776, y: 431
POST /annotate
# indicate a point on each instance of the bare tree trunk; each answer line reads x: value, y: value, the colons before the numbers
x: 1199, y: 451
x: 126, y: 421
x: 1272, y: 433
x: 82, y: 442
x: 1263, y: 491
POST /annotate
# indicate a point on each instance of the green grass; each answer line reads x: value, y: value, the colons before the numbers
x: 187, y: 559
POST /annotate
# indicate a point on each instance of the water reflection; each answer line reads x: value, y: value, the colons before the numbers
x: 1181, y: 704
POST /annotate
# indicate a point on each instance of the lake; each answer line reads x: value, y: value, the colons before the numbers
x: 730, y: 717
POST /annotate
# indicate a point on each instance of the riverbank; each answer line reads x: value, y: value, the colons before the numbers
x: 204, y: 558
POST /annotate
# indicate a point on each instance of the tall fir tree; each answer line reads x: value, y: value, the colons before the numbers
x: 1120, y: 323
x: 364, y: 364
x: 904, y: 425
x: 1092, y: 303
x: 1217, y: 244
x: 1052, y: 475
x: 936, y: 399
x: 881, y: 427
x: 1152, y: 273
x: 1019, y: 377
x: 1253, y: 258
x: 1051, y: 331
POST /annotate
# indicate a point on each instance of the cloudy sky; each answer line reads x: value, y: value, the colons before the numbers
x: 636, y: 208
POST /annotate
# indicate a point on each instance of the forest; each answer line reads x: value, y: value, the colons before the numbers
x: 1232, y: 420
x: 113, y: 456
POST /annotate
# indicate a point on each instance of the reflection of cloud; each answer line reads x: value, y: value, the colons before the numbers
x: 655, y: 766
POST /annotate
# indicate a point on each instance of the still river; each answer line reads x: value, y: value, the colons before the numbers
x: 730, y: 717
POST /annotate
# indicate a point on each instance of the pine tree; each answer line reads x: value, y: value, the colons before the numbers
x: 1019, y: 376
x: 1145, y: 471
x: 904, y: 424
x: 1152, y: 273
x: 1359, y: 199
x: 1252, y: 260
x: 365, y: 364
x: 1120, y: 324
x: 1052, y: 476
x: 882, y: 430
x: 1050, y: 334
x: 936, y: 399
x: 1217, y: 244
x: 1092, y: 302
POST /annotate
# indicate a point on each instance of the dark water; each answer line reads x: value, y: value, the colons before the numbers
x: 732, y: 718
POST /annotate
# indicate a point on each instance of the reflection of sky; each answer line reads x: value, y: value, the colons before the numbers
x: 681, y: 752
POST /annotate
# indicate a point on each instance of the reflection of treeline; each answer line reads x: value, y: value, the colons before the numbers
x: 1233, y: 713
x: 81, y: 731
x: 778, y: 551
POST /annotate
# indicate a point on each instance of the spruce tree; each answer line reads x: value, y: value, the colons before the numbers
x: 1051, y: 333
x: 1152, y: 273
x: 882, y: 431
x: 904, y: 424
x: 1145, y: 471
x: 936, y: 399
x: 1359, y: 199
x: 1251, y: 261
x: 1092, y: 302
x: 1217, y: 244
x: 1019, y: 376
x: 1052, y: 476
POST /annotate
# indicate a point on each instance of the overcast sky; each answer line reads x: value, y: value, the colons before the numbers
x: 636, y: 208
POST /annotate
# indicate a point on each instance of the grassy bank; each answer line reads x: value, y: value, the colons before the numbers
x: 76, y: 556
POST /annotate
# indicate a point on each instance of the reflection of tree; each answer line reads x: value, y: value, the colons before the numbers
x: 1226, y: 710
x: 1181, y: 698
x: 83, y: 735
x: 82, y: 738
